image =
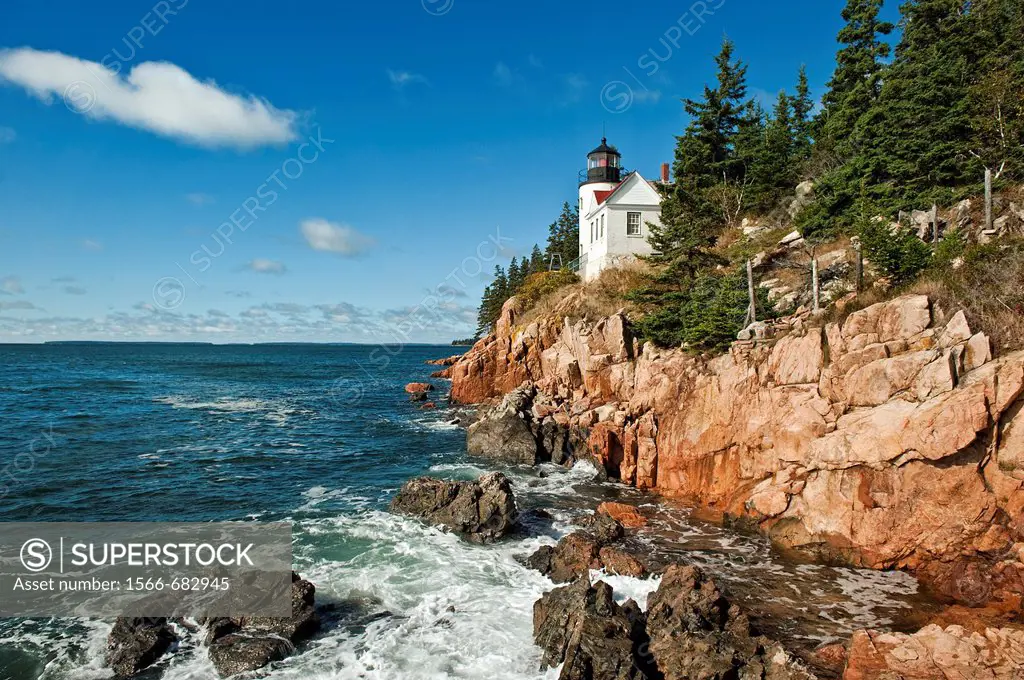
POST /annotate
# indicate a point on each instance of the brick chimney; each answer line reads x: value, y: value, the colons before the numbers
x: 664, y: 173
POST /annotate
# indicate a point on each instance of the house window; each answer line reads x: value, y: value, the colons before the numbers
x: 633, y: 224
x: 602, y: 226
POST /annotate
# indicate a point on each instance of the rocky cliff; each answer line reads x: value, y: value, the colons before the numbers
x: 891, y: 440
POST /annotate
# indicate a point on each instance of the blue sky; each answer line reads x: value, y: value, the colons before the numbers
x: 329, y: 171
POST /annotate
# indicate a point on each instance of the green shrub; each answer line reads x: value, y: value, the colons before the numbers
x: 705, y: 315
x: 899, y: 254
x: 540, y: 284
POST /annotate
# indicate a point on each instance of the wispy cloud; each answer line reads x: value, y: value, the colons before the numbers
x: 503, y: 74
x: 535, y: 61
x: 261, y: 266
x: 17, y: 304
x: 333, y: 237
x: 159, y: 97
x: 400, y: 79
x: 11, y: 285
x: 92, y: 245
x: 75, y: 290
x: 7, y: 135
x: 575, y: 86
x: 646, y: 96
x: 199, y: 198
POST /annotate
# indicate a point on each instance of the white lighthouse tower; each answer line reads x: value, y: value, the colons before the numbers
x: 615, y: 212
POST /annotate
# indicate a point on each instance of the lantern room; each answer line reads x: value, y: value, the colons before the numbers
x: 604, y: 164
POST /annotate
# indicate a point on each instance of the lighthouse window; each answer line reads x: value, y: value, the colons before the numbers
x: 633, y: 224
x: 602, y: 226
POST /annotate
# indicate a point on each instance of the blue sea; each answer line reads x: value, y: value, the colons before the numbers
x: 322, y: 436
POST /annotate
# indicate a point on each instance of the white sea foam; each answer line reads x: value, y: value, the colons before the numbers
x: 628, y: 587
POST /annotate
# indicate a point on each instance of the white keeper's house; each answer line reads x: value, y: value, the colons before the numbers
x: 614, y: 212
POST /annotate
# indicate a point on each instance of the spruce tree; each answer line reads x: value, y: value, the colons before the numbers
x: 919, y: 137
x: 709, y: 173
x: 856, y: 83
x: 564, y: 236
x: 774, y: 166
x: 997, y: 93
x: 803, y: 120
x: 514, y: 276
x: 537, y: 263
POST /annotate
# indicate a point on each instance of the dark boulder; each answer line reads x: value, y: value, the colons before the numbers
x: 517, y: 431
x: 237, y: 653
x: 247, y: 643
x: 503, y: 432
x: 481, y: 511
x: 136, y: 643
x: 696, y: 634
x: 581, y: 627
x: 592, y: 548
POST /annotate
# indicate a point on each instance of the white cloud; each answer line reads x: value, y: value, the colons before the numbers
x: 11, y: 285
x: 262, y: 266
x: 17, y: 304
x: 647, y: 96
x: 334, y: 238
x: 7, y: 135
x: 535, y: 61
x: 402, y: 78
x: 503, y: 74
x: 75, y: 290
x: 94, y: 246
x: 156, y: 96
x: 199, y: 198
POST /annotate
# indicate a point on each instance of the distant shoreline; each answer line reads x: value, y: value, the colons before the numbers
x: 158, y: 343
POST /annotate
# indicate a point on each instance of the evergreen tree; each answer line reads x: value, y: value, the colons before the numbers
x: 709, y: 174
x: 705, y: 153
x: 802, y: 106
x: 918, y: 138
x: 564, y: 236
x: 515, y: 277
x: 483, y: 315
x: 494, y: 297
x: 997, y: 93
x: 856, y: 83
x: 775, y: 165
x: 537, y: 263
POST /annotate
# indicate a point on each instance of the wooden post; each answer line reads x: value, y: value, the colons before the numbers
x: 935, y: 223
x: 988, y: 200
x: 860, y: 267
x: 752, y: 313
x: 814, y: 283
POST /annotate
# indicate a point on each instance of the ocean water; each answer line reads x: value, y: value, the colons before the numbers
x: 323, y: 436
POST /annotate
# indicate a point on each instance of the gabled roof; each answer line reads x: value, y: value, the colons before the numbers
x: 602, y: 197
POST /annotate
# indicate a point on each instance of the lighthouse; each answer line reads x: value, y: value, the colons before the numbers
x: 604, y: 169
x: 615, y: 212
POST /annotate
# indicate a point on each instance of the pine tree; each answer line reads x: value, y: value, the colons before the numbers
x: 774, y: 167
x: 483, y: 315
x: 537, y: 260
x: 803, y: 121
x: 919, y: 134
x: 514, y: 276
x: 997, y: 94
x: 856, y: 83
x: 705, y: 154
x: 564, y: 236
x: 710, y: 175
